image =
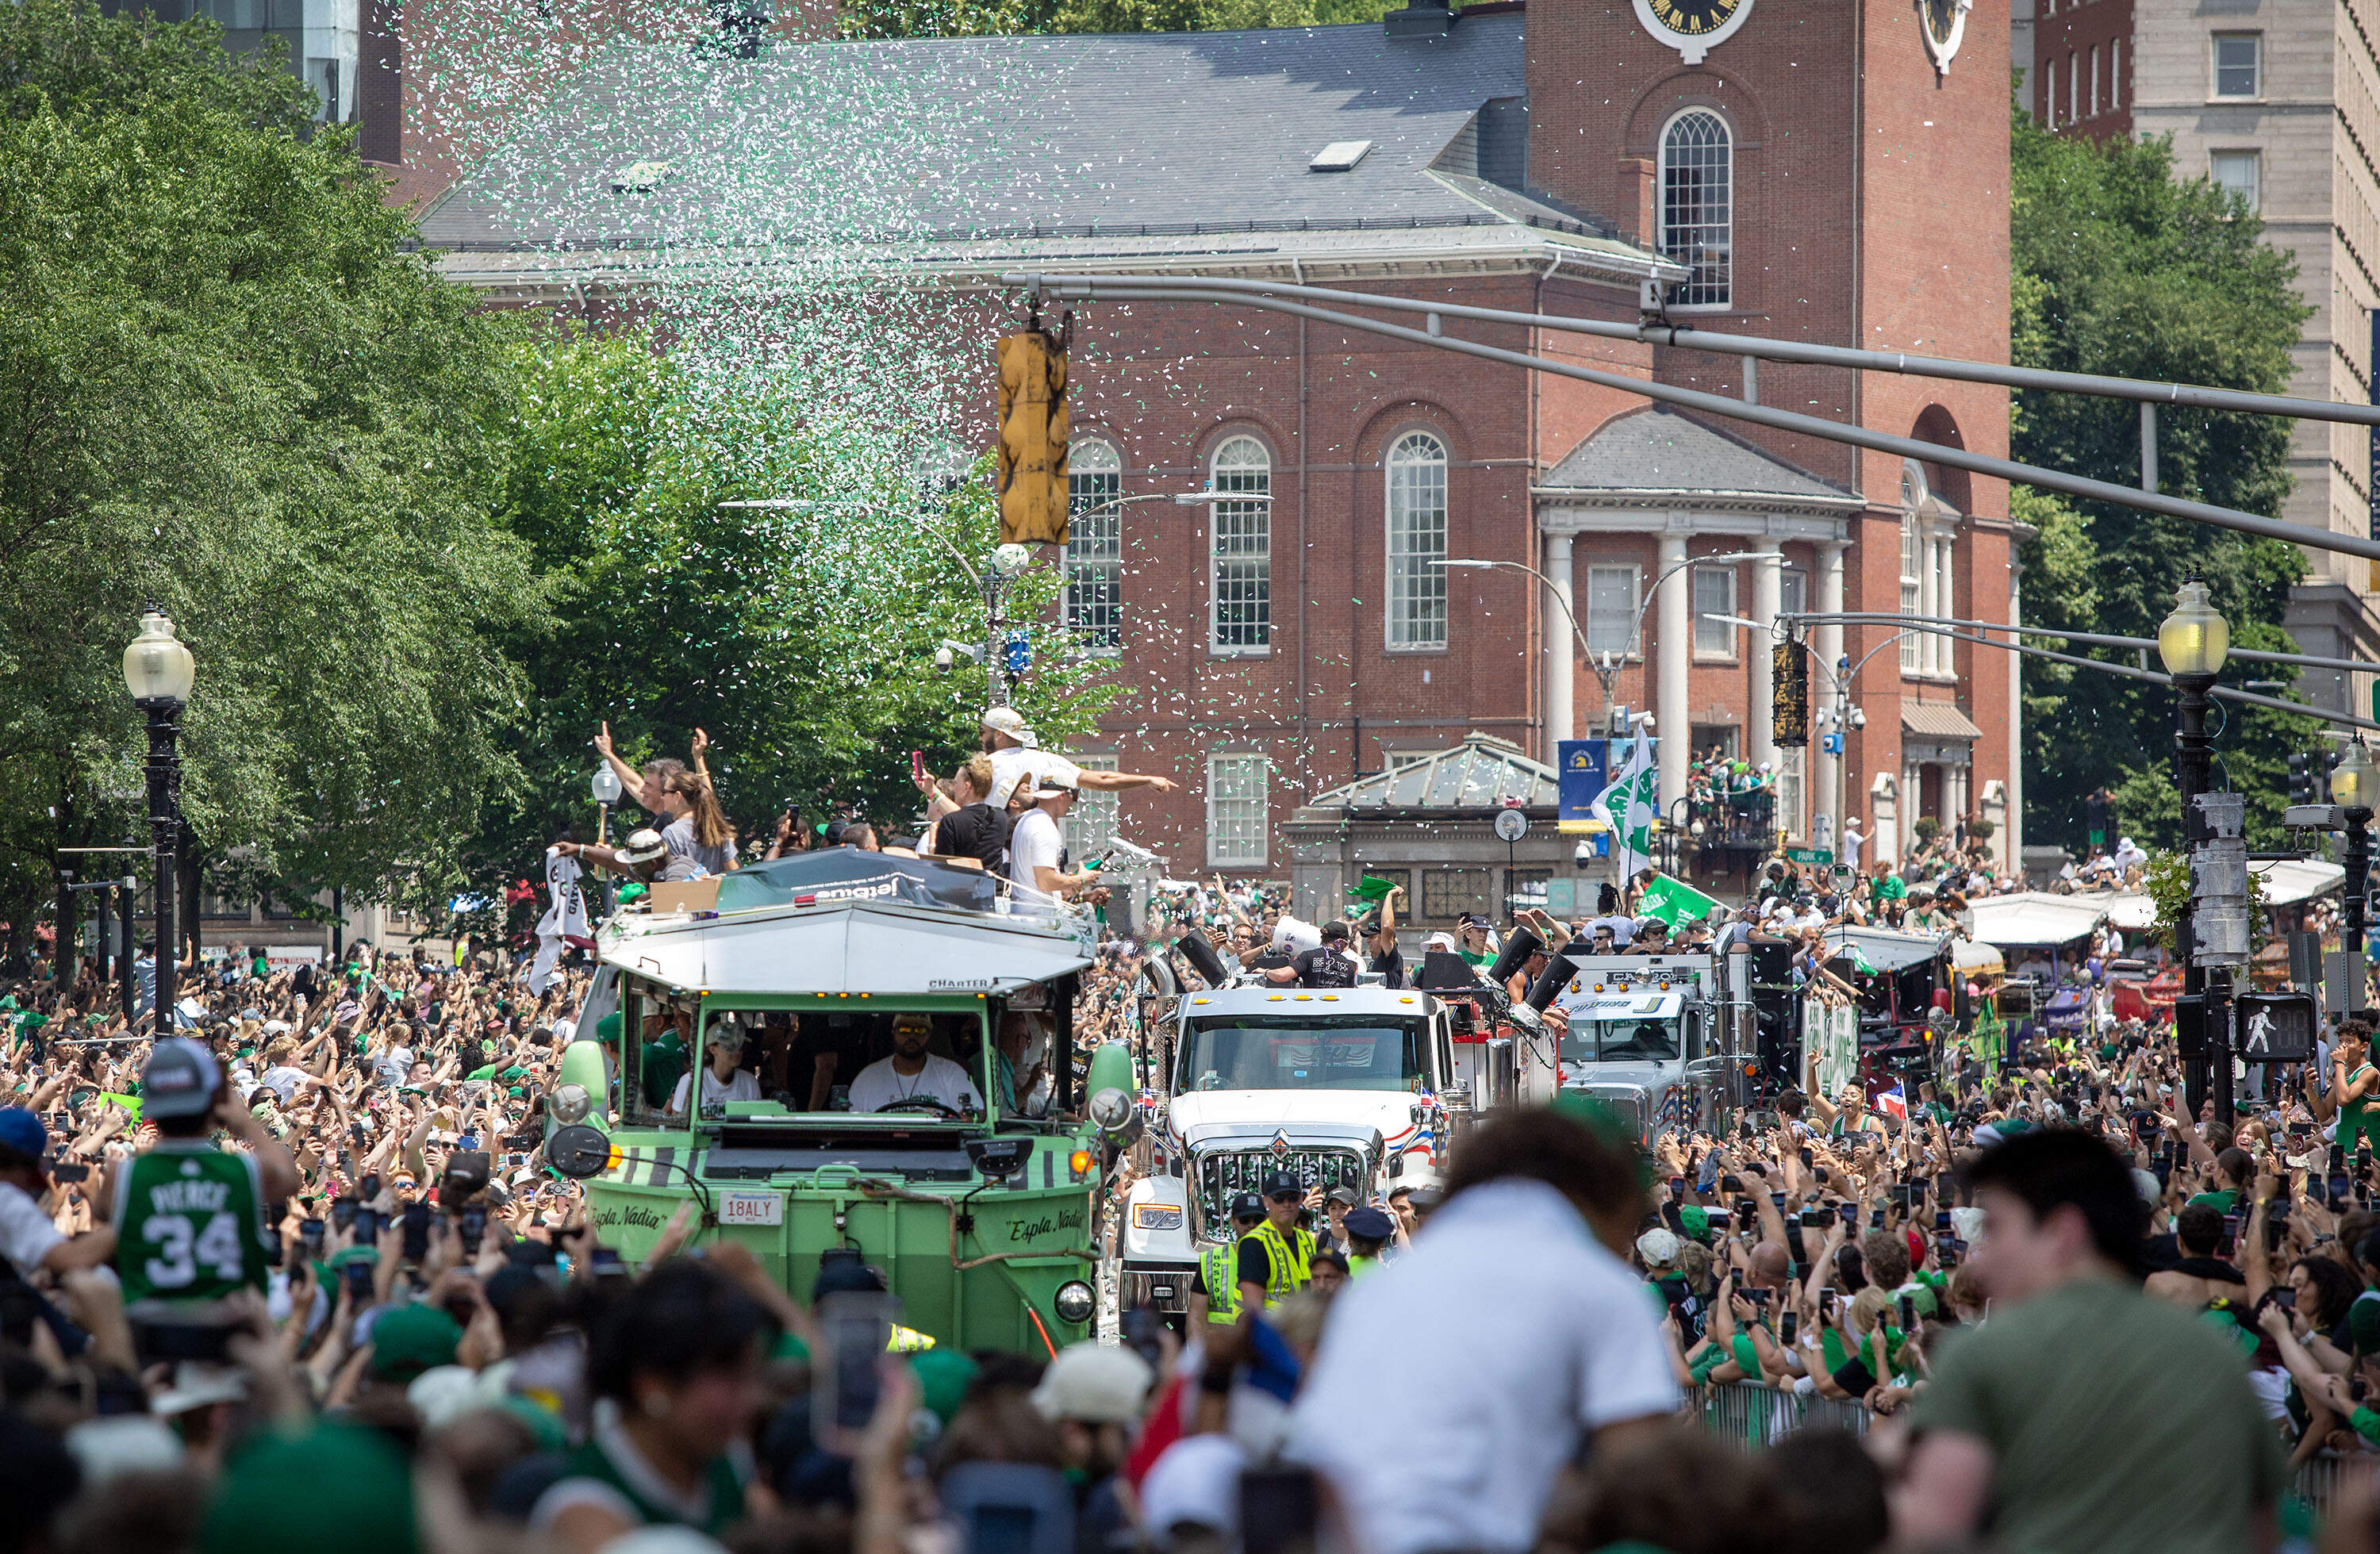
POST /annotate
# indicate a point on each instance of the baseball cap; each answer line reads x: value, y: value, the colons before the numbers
x: 1282, y: 1182
x: 1248, y: 1205
x: 412, y: 1339
x: 1372, y: 1224
x: 1344, y: 1194
x: 1007, y: 721
x: 2363, y: 1324
x: 271, y: 1500
x: 1194, y: 1484
x: 181, y: 1079
x: 20, y: 1130
x: 1658, y: 1248
x: 1094, y: 1383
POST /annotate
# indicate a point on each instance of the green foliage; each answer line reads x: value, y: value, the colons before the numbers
x: 231, y: 391
x: 2120, y: 268
x: 2167, y: 880
x: 918, y: 19
x: 801, y: 643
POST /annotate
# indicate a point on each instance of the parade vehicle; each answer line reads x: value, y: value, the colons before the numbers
x: 1664, y: 1042
x: 1358, y: 1087
x: 982, y: 1220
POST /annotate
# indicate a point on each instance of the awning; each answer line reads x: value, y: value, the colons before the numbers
x: 1936, y: 720
x: 2037, y: 917
x: 2291, y: 880
x: 2132, y: 911
x: 1879, y: 950
x: 1968, y: 956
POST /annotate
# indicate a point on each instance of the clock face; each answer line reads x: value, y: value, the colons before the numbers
x: 1692, y: 27
x: 1693, y: 19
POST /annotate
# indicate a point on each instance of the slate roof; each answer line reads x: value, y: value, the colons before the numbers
x: 1014, y: 142
x: 1479, y: 773
x: 1654, y: 452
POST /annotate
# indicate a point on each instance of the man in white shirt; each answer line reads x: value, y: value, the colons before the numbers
x: 722, y: 1079
x: 1034, y: 847
x: 30, y: 1240
x: 914, y: 1073
x: 1016, y: 753
x: 1854, y: 840
x: 1536, y: 1202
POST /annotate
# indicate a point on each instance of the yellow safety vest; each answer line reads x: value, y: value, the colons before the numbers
x: 1358, y: 1266
x: 1289, y: 1260
x: 1219, y: 1267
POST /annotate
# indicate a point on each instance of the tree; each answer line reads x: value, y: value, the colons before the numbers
x: 943, y: 18
x: 801, y: 642
x: 232, y: 391
x: 2122, y: 268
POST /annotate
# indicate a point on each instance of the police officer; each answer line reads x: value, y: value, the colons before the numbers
x: 1276, y: 1258
x: 190, y: 1217
x: 1368, y: 1229
x: 1217, y: 1281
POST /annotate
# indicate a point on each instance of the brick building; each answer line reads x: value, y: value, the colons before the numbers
x: 2277, y: 101
x: 1787, y: 168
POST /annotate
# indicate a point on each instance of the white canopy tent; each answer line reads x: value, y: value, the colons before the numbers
x: 2035, y: 917
x: 2288, y: 881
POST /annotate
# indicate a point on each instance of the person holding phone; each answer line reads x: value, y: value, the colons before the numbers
x: 30, y: 1240
x: 2354, y: 1086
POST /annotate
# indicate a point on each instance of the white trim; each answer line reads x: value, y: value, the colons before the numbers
x: 1585, y: 606
x: 1690, y: 47
x: 1388, y: 467
x: 1215, y: 647
x: 1662, y: 175
x: 1695, y: 634
x: 1262, y: 842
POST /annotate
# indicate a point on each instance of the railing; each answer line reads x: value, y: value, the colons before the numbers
x: 1753, y: 1416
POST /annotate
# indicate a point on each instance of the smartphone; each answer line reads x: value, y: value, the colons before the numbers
x: 1779, y: 1200
x: 370, y: 1187
x: 1140, y: 1329
x: 1677, y: 1189
x: 1810, y: 1219
x: 2284, y: 1297
x: 854, y: 1327
x: 310, y: 1236
x: 1875, y: 1218
x: 604, y: 1261
x: 1785, y: 1328
x: 368, y: 1226
x: 2338, y: 1158
x: 1945, y: 1186
x: 1941, y: 1220
x: 416, y: 1231
x: 69, y: 1171
x: 1279, y: 1510
x: 343, y: 1213
x: 917, y: 765
x: 1807, y: 1159
x: 358, y: 1277
x: 1747, y: 1213
x: 2339, y: 1187
x: 1908, y: 1314
x: 1758, y: 1298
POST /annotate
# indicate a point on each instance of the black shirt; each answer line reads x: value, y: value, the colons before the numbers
x: 1390, y: 965
x: 977, y: 832
x: 1325, y: 968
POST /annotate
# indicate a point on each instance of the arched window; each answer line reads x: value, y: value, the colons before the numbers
x: 1913, y: 565
x: 1416, y: 483
x: 1697, y: 205
x: 1095, y: 544
x: 1240, y: 550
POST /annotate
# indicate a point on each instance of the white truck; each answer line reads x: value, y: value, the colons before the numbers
x: 1358, y: 1087
x: 1662, y: 1039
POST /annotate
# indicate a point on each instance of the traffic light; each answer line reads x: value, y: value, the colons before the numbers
x: 1032, y: 439
x: 2301, y: 779
x: 1788, y: 718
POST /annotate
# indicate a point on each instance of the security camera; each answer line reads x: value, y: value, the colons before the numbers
x: 1585, y: 853
x: 1859, y: 716
x: 943, y: 660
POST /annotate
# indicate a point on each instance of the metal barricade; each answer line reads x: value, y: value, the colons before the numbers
x: 1753, y: 1416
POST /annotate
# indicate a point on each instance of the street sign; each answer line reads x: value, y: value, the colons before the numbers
x: 1811, y: 855
x: 1584, y: 771
x: 1510, y: 825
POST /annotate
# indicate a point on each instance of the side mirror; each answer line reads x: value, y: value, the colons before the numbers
x: 578, y: 1151
x: 1707, y: 1071
x: 1113, y: 1113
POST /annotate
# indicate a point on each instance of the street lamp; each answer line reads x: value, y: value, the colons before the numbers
x: 1606, y: 671
x: 2193, y: 642
x: 158, y: 671
x: 606, y: 786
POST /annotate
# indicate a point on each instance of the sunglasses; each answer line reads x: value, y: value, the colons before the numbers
x: 1284, y: 1198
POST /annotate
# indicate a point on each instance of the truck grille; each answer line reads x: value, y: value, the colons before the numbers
x: 1224, y: 1174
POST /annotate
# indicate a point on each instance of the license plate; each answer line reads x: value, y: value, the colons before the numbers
x: 751, y: 1209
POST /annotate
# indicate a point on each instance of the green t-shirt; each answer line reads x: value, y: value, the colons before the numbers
x: 2356, y: 1118
x: 190, y: 1224
x: 2078, y: 1393
x: 2222, y: 1202
x: 664, y: 1065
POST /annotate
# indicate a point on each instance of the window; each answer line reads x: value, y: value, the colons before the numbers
x: 1416, y: 481
x: 2238, y: 64
x: 1237, y: 826
x: 1697, y: 194
x: 1943, y: 603
x: 1789, y: 792
x: 1792, y: 590
x: 2095, y: 80
x: 2115, y: 73
x: 1241, y: 579
x: 1095, y: 546
x: 2074, y: 86
x: 1708, y: 739
x: 1091, y: 824
x: 1714, y: 595
x: 1913, y: 493
x: 1525, y: 887
x: 1448, y: 893
x: 2237, y: 173
x: 1611, y: 609
x: 2049, y: 95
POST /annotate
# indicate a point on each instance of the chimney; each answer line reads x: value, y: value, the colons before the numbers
x: 1420, y: 19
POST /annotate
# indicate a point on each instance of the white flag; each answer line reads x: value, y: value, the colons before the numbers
x: 1629, y: 804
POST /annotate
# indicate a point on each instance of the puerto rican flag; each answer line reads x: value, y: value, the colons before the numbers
x: 1892, y: 1103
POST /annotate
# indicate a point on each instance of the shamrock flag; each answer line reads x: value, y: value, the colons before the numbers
x: 1629, y: 804
x: 1674, y: 901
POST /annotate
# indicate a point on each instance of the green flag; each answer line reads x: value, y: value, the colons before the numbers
x: 130, y: 1103
x: 1371, y: 887
x: 1674, y: 901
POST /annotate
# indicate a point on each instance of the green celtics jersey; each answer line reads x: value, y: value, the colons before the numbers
x: 189, y: 1223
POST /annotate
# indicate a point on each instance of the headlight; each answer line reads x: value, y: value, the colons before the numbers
x: 571, y: 1103
x: 1074, y: 1300
x: 1157, y: 1216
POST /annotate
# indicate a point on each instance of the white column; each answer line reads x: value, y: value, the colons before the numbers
x: 1675, y: 644
x: 1928, y: 645
x: 1768, y: 598
x: 1827, y: 646
x: 1559, y: 645
x: 1884, y: 811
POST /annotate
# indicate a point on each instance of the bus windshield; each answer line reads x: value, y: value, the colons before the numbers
x: 1588, y: 1041
x: 1302, y: 1053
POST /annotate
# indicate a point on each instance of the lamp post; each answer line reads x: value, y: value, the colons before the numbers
x: 158, y: 671
x: 2353, y: 785
x: 2192, y: 642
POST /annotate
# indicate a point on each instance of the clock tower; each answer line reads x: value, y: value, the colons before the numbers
x: 1834, y: 172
